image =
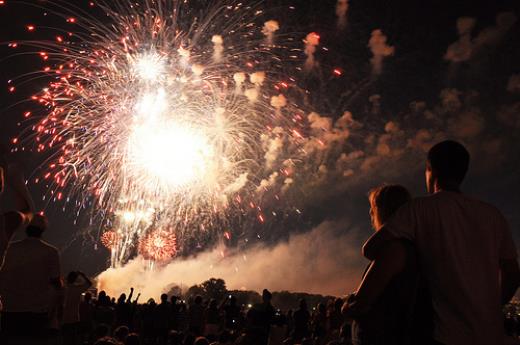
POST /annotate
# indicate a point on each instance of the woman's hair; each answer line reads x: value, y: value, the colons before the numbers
x: 385, y: 200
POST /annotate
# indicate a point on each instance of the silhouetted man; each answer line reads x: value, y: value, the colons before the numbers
x: 261, y: 317
x: 76, y: 284
x: 465, y: 250
x: 29, y: 278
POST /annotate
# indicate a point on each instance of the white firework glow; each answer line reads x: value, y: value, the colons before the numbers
x: 164, y: 124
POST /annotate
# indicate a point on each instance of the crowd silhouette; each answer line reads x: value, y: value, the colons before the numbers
x: 441, y: 269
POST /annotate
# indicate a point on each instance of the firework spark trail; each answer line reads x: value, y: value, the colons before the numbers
x: 157, y: 121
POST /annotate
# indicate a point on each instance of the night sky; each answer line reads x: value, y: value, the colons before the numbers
x: 475, y: 100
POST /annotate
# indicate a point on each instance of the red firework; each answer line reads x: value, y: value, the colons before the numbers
x: 158, y: 246
x: 109, y: 239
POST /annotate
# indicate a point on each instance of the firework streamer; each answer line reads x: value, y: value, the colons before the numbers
x: 239, y: 78
x: 218, y: 47
x: 380, y: 50
x: 278, y: 102
x: 311, y: 41
x: 341, y: 13
x: 257, y: 79
x: 269, y: 29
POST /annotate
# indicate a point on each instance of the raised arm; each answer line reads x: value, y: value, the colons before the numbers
x: 23, y: 203
x: 129, y: 299
x: 88, y: 283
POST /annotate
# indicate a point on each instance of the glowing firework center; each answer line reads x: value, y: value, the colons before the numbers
x: 166, y: 149
x: 170, y: 123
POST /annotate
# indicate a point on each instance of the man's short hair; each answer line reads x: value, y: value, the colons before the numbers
x: 450, y: 160
x: 37, y: 226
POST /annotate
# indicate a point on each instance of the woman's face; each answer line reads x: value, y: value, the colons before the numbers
x: 374, y: 219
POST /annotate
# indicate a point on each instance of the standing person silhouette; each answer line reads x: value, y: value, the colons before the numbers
x: 465, y: 250
x: 29, y: 279
x: 388, y: 320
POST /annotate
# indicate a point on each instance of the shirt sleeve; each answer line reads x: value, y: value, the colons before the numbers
x: 403, y: 224
x: 507, y: 247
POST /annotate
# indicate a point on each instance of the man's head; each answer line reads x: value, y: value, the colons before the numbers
x: 446, y: 166
x: 37, y: 226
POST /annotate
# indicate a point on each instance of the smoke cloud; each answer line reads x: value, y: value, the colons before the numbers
x: 467, y: 47
x: 325, y: 260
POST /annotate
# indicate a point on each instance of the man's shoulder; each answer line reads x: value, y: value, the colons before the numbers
x: 48, y: 246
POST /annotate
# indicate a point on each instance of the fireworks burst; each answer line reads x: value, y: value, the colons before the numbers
x: 109, y: 239
x: 168, y: 118
x: 158, y: 246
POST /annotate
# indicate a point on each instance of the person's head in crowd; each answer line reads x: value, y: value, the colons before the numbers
x: 189, y: 339
x: 164, y: 298
x: 132, y: 339
x: 88, y: 297
x: 151, y: 302
x: 71, y: 277
x: 101, y: 331
x: 106, y: 341
x: 322, y: 308
x: 446, y: 166
x: 174, y: 338
x: 198, y: 299
x: 232, y: 300
x: 37, y: 226
x: 173, y: 300
x: 213, y: 304
x: 266, y: 296
x: 384, y: 201
x: 122, y: 298
x: 338, y: 303
x: 303, y: 304
x: 121, y: 333
x: 201, y: 341
x: 225, y: 337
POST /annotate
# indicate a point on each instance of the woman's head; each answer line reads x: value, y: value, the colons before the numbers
x: 385, y: 200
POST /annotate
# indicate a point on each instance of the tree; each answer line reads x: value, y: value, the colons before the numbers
x: 214, y: 288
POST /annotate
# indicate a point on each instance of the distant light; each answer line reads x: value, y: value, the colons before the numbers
x: 30, y: 27
x: 337, y: 72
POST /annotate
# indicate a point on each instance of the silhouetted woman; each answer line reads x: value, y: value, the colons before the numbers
x: 389, y: 318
